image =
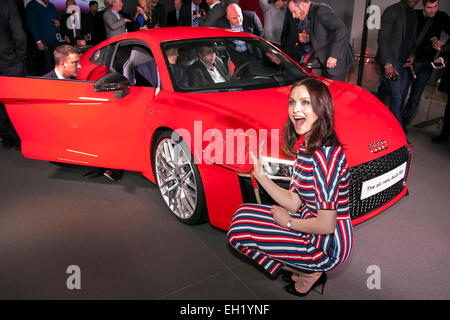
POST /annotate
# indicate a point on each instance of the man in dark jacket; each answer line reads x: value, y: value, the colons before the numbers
x: 396, y: 44
x: 12, y: 53
x: 242, y: 20
x: 216, y: 11
x: 430, y: 24
x: 315, y: 28
x: 190, y: 13
x: 173, y: 16
x: 67, y: 63
x: 208, y: 70
x: 43, y: 21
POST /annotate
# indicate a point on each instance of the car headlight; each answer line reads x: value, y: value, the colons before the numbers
x: 278, y: 169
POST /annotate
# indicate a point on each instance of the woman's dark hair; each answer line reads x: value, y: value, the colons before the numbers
x: 322, y: 131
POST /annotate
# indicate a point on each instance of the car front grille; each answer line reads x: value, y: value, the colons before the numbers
x: 372, y: 169
x: 358, y: 175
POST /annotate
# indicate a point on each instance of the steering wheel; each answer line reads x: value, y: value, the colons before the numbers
x: 240, y: 68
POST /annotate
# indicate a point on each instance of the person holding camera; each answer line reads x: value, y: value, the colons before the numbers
x: 430, y: 24
x: 396, y: 44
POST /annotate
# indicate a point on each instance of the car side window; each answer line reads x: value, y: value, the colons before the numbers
x: 102, y: 55
x: 137, y: 64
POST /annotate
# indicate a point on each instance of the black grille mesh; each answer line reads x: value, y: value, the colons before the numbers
x: 358, y: 175
x: 372, y: 169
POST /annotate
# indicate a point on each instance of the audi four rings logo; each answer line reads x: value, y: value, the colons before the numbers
x: 378, y: 146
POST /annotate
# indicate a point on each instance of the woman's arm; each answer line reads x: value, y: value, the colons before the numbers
x: 330, y: 166
x: 324, y: 223
x: 287, y: 199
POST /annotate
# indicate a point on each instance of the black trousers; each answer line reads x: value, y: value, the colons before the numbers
x: 446, y: 127
x: 7, y: 131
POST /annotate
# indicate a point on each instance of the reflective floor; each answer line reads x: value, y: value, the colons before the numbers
x: 127, y: 246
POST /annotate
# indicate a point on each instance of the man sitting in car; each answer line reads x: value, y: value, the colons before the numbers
x: 208, y: 70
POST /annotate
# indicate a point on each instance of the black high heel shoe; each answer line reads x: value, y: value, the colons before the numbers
x: 290, y: 288
x: 286, y: 276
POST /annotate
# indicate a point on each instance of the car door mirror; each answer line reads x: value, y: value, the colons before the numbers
x: 113, y: 82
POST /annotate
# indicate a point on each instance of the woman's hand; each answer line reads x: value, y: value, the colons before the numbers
x: 280, y: 215
x: 258, y: 170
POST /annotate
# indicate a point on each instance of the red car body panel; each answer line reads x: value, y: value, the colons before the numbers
x: 98, y: 129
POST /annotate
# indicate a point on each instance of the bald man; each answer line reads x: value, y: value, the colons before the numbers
x: 242, y: 20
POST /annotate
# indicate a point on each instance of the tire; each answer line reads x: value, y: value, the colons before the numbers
x: 178, y: 179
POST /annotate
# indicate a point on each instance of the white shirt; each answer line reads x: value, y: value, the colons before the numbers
x: 212, y: 6
x: 59, y: 74
x: 214, y: 73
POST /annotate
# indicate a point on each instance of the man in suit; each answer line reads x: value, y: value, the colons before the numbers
x: 315, y: 28
x: 114, y: 22
x: 242, y: 20
x: 173, y: 16
x: 94, y: 24
x: 13, y: 43
x: 208, y: 70
x: 67, y: 63
x: 396, y: 46
x: 216, y: 11
x: 190, y: 13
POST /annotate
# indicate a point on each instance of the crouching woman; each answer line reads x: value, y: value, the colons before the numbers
x: 309, y: 232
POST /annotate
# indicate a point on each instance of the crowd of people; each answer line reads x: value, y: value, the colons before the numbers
x: 286, y: 26
x: 408, y: 50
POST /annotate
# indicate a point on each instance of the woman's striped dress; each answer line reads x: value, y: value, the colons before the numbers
x: 322, y: 181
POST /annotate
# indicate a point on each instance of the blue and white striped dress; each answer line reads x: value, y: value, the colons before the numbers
x: 322, y: 182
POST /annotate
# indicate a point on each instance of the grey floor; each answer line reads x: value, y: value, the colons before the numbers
x: 127, y: 246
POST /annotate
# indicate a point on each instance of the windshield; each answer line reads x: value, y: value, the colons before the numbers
x: 228, y: 64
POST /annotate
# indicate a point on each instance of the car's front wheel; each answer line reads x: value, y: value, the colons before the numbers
x: 178, y: 179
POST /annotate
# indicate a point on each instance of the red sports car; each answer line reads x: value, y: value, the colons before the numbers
x: 146, y: 101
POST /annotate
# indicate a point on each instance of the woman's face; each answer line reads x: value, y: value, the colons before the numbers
x: 301, y: 112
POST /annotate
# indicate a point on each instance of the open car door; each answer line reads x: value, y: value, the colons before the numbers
x: 70, y: 121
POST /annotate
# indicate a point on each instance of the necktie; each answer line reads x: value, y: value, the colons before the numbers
x: 195, y: 22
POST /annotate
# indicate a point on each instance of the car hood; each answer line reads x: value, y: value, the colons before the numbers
x: 360, y: 118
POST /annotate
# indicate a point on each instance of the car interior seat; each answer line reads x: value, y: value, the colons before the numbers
x: 138, y: 56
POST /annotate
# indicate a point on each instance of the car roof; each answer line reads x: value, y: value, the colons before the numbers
x: 159, y: 35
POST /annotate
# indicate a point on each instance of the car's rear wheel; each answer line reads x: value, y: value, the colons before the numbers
x: 178, y: 179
